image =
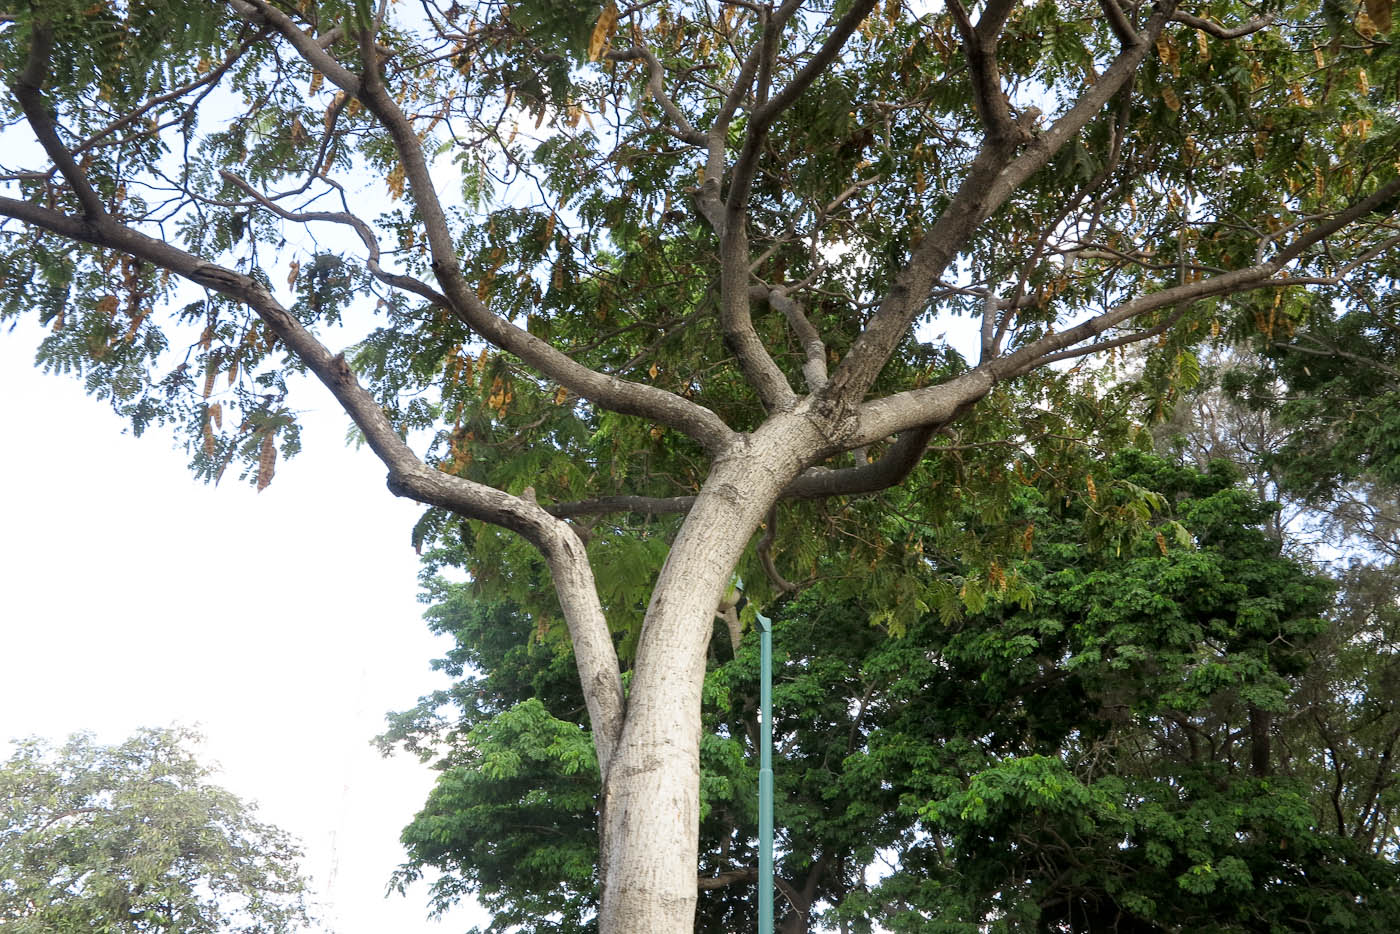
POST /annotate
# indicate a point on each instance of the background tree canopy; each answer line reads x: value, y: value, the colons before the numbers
x: 131, y: 839
x: 638, y: 297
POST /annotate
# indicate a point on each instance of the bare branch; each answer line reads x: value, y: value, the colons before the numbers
x: 889, y: 469
x: 814, y: 483
x: 763, y: 117
x: 980, y: 47
x: 1120, y: 24
x: 933, y: 404
x: 1121, y: 341
x: 814, y: 367
x: 683, y: 129
x: 765, y: 553
x: 407, y: 283
x: 607, y: 505
x: 1220, y: 32
x: 710, y: 883
x: 257, y: 11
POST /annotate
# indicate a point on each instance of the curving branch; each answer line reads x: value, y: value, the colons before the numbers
x: 609, y: 392
x: 1120, y: 24
x: 27, y: 91
x: 366, y: 235
x: 1212, y: 28
x: 755, y: 361
x: 995, y: 174
x: 814, y: 367
x: 937, y: 404
x: 814, y: 483
x: 980, y: 47
x: 656, y: 87
x: 408, y: 475
x: 765, y: 553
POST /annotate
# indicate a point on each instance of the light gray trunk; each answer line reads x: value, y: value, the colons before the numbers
x: 650, y: 814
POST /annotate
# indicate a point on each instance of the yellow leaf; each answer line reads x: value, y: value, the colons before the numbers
x: 561, y: 395
x: 652, y: 371
x: 395, y: 181
x: 329, y: 117
x: 1202, y: 45
x: 316, y: 79
x: 1166, y: 48
x: 1378, y: 12
x: 1170, y: 99
x: 602, y: 31
x: 1093, y: 490
x: 267, y: 460
x: 1362, y: 83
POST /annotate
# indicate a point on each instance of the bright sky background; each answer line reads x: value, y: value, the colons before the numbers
x: 284, y: 624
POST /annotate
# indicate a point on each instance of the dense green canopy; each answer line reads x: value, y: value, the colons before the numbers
x: 1142, y: 738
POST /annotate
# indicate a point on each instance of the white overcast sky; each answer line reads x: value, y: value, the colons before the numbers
x: 283, y: 624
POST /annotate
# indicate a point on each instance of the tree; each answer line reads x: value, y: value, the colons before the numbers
x: 1145, y: 736
x: 694, y: 294
x: 132, y: 838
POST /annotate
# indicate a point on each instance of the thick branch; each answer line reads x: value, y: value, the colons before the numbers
x: 408, y: 476
x: 758, y: 366
x: 764, y: 115
x: 1220, y: 32
x: 710, y: 883
x: 814, y: 367
x: 932, y: 404
x: 1120, y: 24
x: 993, y: 178
x: 814, y: 483
x: 980, y: 47
x: 607, y: 505
x: 657, y: 89
x: 27, y: 89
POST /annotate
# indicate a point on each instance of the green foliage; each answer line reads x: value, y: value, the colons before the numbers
x: 1037, y: 636
x: 1077, y: 749
x: 132, y: 838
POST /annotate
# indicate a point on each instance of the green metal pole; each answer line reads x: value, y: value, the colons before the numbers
x: 765, y: 776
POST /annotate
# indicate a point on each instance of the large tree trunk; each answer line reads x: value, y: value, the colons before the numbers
x: 650, y: 812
